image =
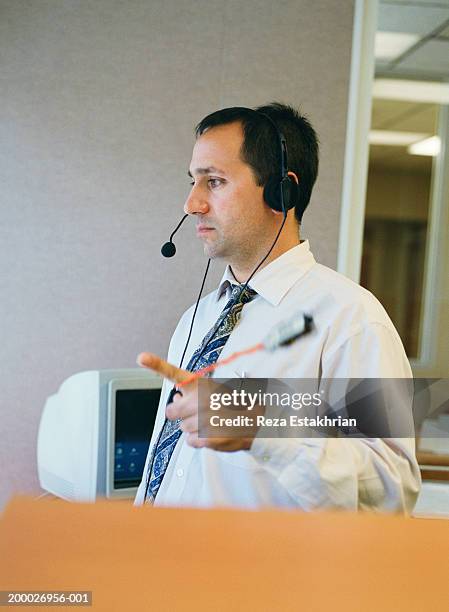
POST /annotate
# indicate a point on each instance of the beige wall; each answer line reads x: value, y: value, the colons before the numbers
x: 99, y: 100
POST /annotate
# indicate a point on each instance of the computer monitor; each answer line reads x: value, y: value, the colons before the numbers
x: 94, y: 434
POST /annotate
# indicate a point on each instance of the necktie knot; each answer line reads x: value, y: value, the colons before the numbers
x: 244, y: 296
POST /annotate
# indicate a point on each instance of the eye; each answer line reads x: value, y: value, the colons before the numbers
x: 215, y: 182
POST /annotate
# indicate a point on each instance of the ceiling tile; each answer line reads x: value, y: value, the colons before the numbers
x: 434, y: 3
x: 432, y: 56
x: 384, y: 112
x: 409, y: 18
x: 404, y: 116
x: 444, y: 33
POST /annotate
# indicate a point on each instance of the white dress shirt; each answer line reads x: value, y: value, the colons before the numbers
x: 353, y: 337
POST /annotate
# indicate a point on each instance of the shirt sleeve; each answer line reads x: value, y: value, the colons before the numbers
x: 347, y: 473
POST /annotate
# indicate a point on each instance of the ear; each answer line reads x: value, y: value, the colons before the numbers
x: 294, y: 177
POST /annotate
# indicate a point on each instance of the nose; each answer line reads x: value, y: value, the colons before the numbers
x: 196, y: 203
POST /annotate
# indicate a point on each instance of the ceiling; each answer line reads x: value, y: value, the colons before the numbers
x: 402, y: 117
x: 428, y: 59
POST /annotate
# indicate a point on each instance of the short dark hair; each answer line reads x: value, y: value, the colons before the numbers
x: 260, y: 147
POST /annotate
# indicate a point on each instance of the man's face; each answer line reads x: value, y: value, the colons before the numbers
x: 230, y: 211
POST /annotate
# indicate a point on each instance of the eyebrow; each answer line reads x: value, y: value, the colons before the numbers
x: 208, y: 170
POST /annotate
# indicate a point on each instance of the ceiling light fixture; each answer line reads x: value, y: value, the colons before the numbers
x: 390, y: 45
x: 429, y: 146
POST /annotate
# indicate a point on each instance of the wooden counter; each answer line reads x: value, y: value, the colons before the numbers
x: 181, y: 559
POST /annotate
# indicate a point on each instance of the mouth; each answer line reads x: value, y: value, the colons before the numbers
x: 203, y: 229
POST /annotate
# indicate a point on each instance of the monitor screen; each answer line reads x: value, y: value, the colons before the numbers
x: 135, y: 414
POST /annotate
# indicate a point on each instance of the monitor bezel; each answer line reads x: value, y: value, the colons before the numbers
x: 114, y: 385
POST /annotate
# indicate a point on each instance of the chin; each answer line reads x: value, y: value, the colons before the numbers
x: 214, y: 250
x: 211, y: 253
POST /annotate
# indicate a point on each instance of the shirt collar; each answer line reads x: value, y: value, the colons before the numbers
x: 274, y: 280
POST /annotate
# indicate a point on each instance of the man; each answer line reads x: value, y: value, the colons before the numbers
x: 236, y: 153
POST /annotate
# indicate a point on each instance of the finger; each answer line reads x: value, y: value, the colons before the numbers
x: 190, y: 425
x: 181, y: 409
x: 193, y: 440
x: 162, y: 367
x: 228, y: 445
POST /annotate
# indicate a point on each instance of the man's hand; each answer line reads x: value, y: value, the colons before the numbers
x: 186, y: 406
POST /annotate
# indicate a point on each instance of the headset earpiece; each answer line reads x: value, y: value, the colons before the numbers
x: 272, y: 193
x: 281, y: 192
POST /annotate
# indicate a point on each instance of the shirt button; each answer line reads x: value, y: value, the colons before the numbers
x: 180, y: 473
